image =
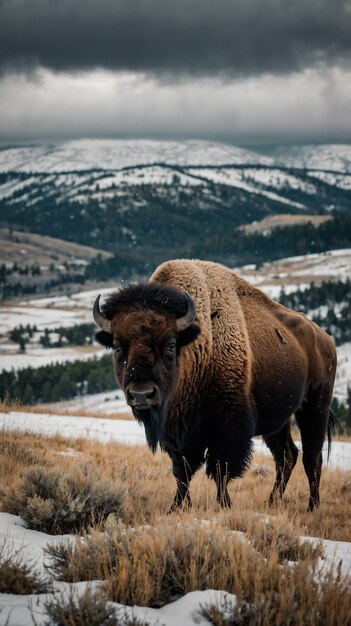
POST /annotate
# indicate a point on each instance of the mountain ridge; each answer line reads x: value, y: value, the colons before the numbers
x: 85, y: 154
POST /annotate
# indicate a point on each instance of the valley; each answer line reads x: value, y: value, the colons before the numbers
x: 81, y: 217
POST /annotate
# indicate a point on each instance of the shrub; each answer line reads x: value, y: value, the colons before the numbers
x: 89, y: 559
x: 58, y: 503
x: 19, y: 577
x: 229, y: 613
x: 89, y: 609
x: 151, y: 566
x: 268, y: 535
x: 305, y: 603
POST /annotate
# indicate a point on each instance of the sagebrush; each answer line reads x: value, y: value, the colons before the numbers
x: 18, y: 576
x: 57, y: 503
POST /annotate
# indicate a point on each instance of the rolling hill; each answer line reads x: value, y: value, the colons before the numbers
x: 122, y: 195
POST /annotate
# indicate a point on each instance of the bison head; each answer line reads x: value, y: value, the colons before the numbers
x: 147, y: 325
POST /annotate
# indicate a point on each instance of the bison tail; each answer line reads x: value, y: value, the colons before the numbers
x: 332, y: 423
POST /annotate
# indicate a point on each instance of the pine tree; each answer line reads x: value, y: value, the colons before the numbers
x: 28, y: 394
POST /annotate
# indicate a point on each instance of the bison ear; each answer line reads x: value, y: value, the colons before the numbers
x: 104, y: 338
x: 188, y: 335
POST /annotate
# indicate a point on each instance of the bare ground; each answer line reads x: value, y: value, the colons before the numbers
x: 29, y: 249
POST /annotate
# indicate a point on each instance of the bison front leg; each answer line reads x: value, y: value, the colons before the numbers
x: 183, y: 471
x: 229, y: 451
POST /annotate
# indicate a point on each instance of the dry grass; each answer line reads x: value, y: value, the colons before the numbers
x: 153, y: 557
x: 7, y: 405
x: 153, y: 565
x: 42, y: 249
x: 149, y: 485
x: 281, y: 220
x: 298, y: 601
x: 74, y: 412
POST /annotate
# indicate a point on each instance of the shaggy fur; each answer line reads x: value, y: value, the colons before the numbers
x: 253, y: 364
x: 161, y: 298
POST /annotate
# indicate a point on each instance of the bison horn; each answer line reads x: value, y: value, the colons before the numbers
x: 184, y: 322
x: 100, y: 319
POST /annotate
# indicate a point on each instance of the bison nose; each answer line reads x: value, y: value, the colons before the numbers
x: 142, y: 395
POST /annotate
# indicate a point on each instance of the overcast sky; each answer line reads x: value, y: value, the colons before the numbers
x: 244, y: 71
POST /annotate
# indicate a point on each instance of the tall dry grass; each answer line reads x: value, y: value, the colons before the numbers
x: 149, y: 486
x: 150, y: 558
x: 153, y: 565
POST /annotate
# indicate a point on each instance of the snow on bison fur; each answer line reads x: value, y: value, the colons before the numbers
x: 207, y: 361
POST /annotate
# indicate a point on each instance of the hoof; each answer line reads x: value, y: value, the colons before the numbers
x: 272, y: 500
x: 313, y: 504
x: 225, y: 503
x: 179, y: 507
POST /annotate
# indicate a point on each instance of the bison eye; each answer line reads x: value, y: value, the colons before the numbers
x: 170, y: 351
x: 118, y: 348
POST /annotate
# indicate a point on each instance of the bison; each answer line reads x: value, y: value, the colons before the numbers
x: 206, y: 361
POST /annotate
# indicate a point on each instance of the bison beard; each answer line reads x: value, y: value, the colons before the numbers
x: 153, y: 424
x: 243, y: 369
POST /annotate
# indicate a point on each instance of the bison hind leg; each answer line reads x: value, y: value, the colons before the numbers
x: 313, y: 419
x: 285, y: 455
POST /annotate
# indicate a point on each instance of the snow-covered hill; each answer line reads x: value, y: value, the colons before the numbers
x: 335, y: 157
x: 86, y: 170
x: 115, y: 154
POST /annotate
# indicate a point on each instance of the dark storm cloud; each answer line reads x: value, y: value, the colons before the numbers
x: 194, y: 37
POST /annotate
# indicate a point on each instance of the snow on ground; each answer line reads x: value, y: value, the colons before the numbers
x: 29, y: 544
x: 278, y: 179
x: 336, y: 157
x: 155, y: 174
x: 37, y: 357
x: 80, y: 300
x: 105, y: 403
x: 336, y: 180
x: 14, y: 186
x: 298, y: 271
x: 128, y: 432
x: 103, y: 430
x: 343, y: 372
x: 16, y: 538
x: 41, y: 316
x: 51, y: 313
x: 237, y: 178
